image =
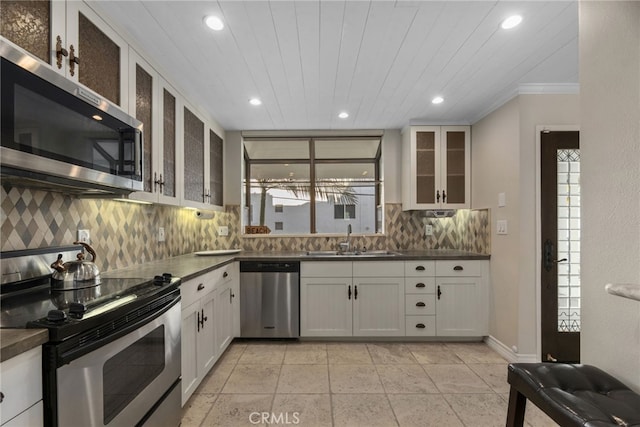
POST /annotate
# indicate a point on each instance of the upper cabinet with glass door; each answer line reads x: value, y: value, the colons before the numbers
x: 153, y: 102
x: 438, y: 176
x: 73, y: 40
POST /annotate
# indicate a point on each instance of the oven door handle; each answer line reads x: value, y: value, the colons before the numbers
x: 65, y: 356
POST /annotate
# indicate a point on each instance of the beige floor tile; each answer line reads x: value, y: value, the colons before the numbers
x: 196, y: 409
x: 348, y: 354
x: 423, y: 410
x: 231, y: 410
x: 252, y: 379
x: 310, y: 410
x: 354, y: 379
x: 384, y: 353
x: 260, y: 354
x: 456, y: 379
x: 303, y: 379
x: 479, y: 410
x: 433, y: 353
x: 216, y: 378
x: 493, y: 374
x: 306, y: 354
x: 405, y: 379
x: 370, y: 410
x: 533, y: 416
x: 232, y: 353
x: 475, y: 353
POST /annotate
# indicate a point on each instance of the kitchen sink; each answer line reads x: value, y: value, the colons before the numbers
x: 376, y: 253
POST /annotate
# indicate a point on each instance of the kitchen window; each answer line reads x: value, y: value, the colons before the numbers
x: 316, y: 185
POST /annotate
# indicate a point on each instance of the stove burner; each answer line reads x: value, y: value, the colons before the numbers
x: 161, y: 280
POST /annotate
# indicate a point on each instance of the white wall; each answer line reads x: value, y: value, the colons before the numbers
x: 610, y: 164
x: 233, y: 169
x: 503, y: 153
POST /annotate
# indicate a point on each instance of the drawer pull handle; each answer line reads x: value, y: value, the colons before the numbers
x: 420, y: 304
x: 420, y: 268
x: 420, y: 285
x: 458, y: 268
x: 225, y: 274
x: 200, y: 287
x: 420, y: 326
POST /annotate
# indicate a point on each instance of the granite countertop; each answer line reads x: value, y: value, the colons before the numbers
x: 17, y: 341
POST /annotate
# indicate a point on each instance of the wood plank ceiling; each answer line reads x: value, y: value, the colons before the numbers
x: 381, y: 61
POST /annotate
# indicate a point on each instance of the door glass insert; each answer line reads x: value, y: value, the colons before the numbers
x: 425, y: 167
x: 455, y: 167
x: 568, y: 240
x: 27, y: 24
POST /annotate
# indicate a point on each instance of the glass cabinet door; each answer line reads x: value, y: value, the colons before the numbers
x: 28, y: 24
x: 426, y: 166
x: 168, y: 144
x: 455, y: 172
x: 215, y: 166
x: 193, y: 157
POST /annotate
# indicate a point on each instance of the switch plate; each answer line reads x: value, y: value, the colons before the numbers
x: 428, y: 230
x: 501, y: 226
x: 84, y: 236
x: 161, y: 234
x: 223, y: 230
x: 502, y: 200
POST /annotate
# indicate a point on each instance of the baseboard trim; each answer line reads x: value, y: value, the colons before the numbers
x: 508, y: 353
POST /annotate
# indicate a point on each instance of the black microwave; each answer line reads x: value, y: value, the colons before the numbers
x: 57, y: 134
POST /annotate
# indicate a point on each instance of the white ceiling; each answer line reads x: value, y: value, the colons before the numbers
x: 382, y: 61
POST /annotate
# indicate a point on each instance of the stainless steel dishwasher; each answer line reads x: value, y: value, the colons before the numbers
x: 269, y: 299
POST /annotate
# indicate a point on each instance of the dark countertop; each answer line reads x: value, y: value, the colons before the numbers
x: 17, y: 341
x: 189, y: 266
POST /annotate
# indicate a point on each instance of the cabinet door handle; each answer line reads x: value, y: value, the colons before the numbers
x: 420, y: 304
x: 198, y: 320
x: 231, y: 297
x: 420, y: 285
x: 438, y: 196
x: 444, y: 197
x: 349, y: 292
x: 73, y: 60
x: 355, y: 292
x: 1, y: 396
x: 458, y: 268
x: 60, y: 52
x: 420, y: 268
x: 439, y: 292
x: 420, y: 326
x: 204, y: 318
x: 200, y: 286
x: 225, y: 274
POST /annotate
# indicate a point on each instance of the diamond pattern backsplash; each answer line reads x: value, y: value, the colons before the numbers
x: 125, y: 234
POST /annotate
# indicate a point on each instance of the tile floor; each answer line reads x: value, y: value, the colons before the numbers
x: 355, y: 384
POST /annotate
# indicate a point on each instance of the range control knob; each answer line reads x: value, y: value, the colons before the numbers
x: 56, y: 316
x: 77, y: 310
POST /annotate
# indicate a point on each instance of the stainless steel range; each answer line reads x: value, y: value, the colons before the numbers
x: 113, y: 356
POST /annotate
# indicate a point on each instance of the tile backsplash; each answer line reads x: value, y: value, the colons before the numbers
x: 125, y: 234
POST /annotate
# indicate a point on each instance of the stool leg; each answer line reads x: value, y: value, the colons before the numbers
x: 517, y: 405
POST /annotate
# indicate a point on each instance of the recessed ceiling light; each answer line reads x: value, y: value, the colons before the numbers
x: 343, y: 115
x: 437, y: 100
x: 97, y: 117
x: 255, y: 101
x: 214, y: 22
x: 511, y: 22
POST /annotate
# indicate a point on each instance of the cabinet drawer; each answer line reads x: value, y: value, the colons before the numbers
x: 419, y: 268
x: 21, y: 383
x: 326, y: 269
x: 420, y: 304
x: 194, y: 289
x: 378, y: 269
x: 458, y: 268
x: 420, y: 285
x: 420, y: 326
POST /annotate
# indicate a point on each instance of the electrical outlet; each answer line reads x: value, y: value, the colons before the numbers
x: 223, y: 230
x: 428, y: 230
x: 84, y: 236
x: 501, y: 226
x: 161, y: 234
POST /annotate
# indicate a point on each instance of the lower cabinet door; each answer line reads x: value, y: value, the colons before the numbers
x: 207, y: 347
x: 224, y: 317
x: 189, y: 355
x: 458, y: 308
x: 31, y: 417
x: 325, y: 307
x: 378, y: 307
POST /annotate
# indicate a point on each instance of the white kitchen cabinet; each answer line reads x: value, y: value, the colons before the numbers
x: 419, y: 298
x: 351, y: 299
x: 462, y: 298
x: 154, y: 102
x: 226, y: 307
x: 21, y: 387
x: 439, y: 159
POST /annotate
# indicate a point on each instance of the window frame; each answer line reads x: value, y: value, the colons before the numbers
x: 312, y: 162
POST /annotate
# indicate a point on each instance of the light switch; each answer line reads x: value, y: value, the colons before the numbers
x: 502, y: 200
x: 428, y: 230
x: 501, y: 226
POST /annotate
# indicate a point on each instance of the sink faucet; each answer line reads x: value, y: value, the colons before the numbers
x: 346, y: 245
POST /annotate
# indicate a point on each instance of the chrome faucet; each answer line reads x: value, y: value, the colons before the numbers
x: 346, y: 245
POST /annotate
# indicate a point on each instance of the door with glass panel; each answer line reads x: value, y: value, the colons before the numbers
x: 560, y: 238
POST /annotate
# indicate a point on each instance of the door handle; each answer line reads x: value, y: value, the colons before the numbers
x: 420, y: 304
x: 548, y: 255
x: 444, y: 197
x: 438, y: 196
x: 200, y: 287
x: 458, y: 268
x: 198, y: 320
x: 420, y: 268
x: 439, y: 292
x: 355, y: 292
x: 420, y: 326
x: 349, y: 292
x: 419, y: 285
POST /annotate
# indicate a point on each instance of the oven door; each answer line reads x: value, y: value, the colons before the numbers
x: 119, y: 383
